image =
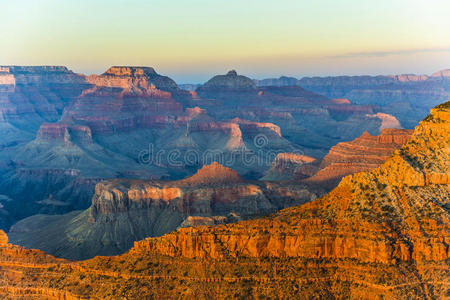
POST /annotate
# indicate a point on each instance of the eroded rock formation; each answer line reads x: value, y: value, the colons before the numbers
x: 408, y: 97
x: 362, y: 154
x: 289, y: 166
x: 124, y: 211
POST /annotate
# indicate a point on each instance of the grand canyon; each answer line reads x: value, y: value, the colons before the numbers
x: 214, y: 177
x: 224, y: 150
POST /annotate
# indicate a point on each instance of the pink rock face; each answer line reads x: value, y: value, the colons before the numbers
x: 32, y: 95
x: 255, y: 126
x: 108, y: 110
x: 231, y: 130
x: 387, y: 121
x: 137, y: 79
x: 214, y: 173
x: 130, y: 71
x: 126, y: 98
x: 409, y: 77
x: 61, y: 131
x: 442, y: 73
x: 340, y: 101
x: 191, y: 114
x: 7, y: 79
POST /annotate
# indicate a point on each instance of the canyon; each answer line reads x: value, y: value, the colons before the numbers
x: 381, y: 233
x: 125, y: 211
x: 62, y: 132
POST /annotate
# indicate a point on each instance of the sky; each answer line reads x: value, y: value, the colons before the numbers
x: 192, y: 40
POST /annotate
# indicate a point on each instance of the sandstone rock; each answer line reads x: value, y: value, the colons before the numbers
x: 231, y: 83
x: 194, y: 221
x: 363, y: 219
x: 3, y: 238
x: 387, y: 121
x: 362, y: 154
x: 407, y: 97
x: 140, y: 80
x: 409, y: 77
x: 59, y: 131
x: 289, y: 166
x: 30, y: 96
x: 442, y: 73
x: 212, y: 174
x: 341, y: 101
x: 249, y: 125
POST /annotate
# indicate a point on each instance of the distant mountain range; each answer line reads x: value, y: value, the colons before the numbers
x: 408, y: 97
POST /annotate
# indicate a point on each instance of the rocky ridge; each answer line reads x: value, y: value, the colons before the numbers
x: 141, y: 80
x: 408, y: 97
x: 289, y: 166
x: 362, y: 154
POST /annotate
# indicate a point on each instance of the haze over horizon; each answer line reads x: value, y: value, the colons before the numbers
x: 192, y: 41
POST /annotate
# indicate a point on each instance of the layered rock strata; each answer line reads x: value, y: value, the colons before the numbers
x: 364, y: 153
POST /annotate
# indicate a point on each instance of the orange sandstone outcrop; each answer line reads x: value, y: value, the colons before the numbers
x: 3, y: 238
x: 137, y: 79
x: 364, y: 153
x: 212, y: 174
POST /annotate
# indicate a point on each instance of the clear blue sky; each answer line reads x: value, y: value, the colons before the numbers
x: 192, y: 40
